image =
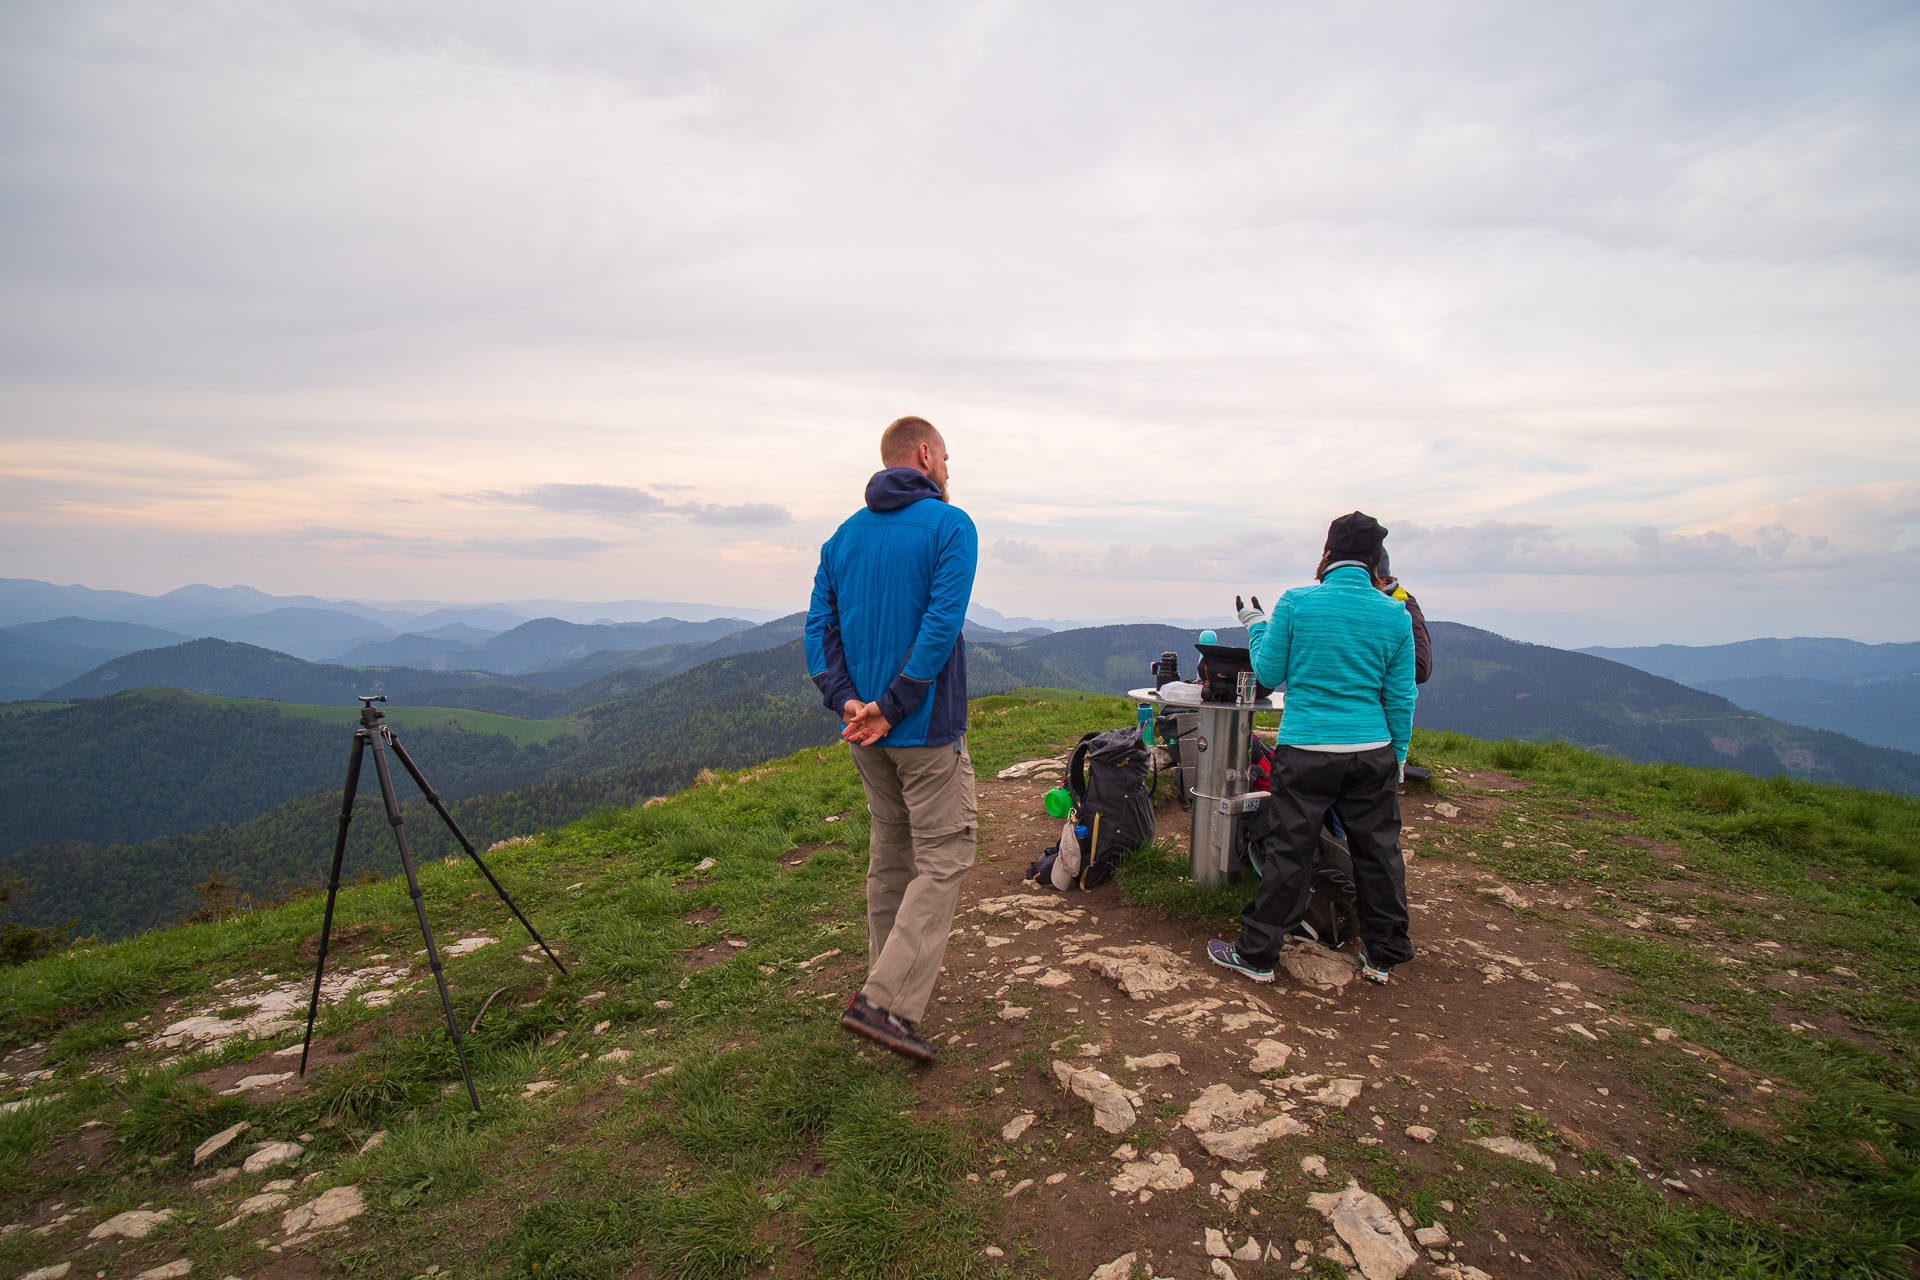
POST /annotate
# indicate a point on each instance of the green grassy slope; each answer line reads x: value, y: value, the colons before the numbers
x: 737, y: 1134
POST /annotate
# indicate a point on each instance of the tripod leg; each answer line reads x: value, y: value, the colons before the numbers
x: 420, y: 908
x: 419, y: 780
x: 333, y: 883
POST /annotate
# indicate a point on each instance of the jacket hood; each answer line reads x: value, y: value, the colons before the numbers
x: 898, y: 487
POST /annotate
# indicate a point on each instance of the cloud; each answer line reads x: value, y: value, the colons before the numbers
x: 1019, y: 551
x: 624, y: 504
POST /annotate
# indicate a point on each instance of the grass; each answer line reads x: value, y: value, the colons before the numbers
x: 770, y: 1147
x: 521, y: 731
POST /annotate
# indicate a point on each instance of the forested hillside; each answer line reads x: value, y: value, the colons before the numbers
x: 248, y: 671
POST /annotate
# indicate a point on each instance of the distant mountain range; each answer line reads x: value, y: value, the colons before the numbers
x: 1868, y: 691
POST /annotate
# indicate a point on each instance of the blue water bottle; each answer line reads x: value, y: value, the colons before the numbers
x: 1145, y: 717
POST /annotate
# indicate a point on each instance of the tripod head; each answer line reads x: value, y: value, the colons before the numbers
x: 369, y: 714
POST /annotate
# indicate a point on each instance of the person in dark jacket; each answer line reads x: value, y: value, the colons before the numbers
x: 1344, y: 652
x: 884, y: 646
x: 1422, y: 643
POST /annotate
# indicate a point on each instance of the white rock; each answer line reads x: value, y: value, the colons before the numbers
x: 1219, y: 1105
x: 466, y: 945
x: 616, y: 1055
x: 705, y: 864
x: 1121, y: 1268
x: 59, y: 1269
x: 1434, y: 1237
x: 255, y: 1082
x: 221, y: 1178
x: 1363, y: 1221
x: 1153, y: 1061
x: 538, y: 1087
x: 219, y: 1140
x: 330, y: 1209
x: 1446, y: 810
x: 1318, y: 967
x: 265, y: 1202
x: 1518, y: 1150
x: 1014, y: 1013
x: 1221, y: 1271
x: 373, y: 1142
x: 1421, y: 1133
x: 134, y: 1224
x: 1460, y: 1271
x: 1250, y: 1180
x: 269, y: 1155
x: 1270, y: 1055
x: 1216, y: 1244
x: 1241, y: 1145
x: 1315, y: 1165
x: 1016, y: 1188
x: 1251, y: 1251
x: 1160, y: 1171
x: 1141, y: 971
x: 1013, y: 1128
x: 1113, y: 1107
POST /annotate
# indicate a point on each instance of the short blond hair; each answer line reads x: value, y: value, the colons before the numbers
x: 903, y: 438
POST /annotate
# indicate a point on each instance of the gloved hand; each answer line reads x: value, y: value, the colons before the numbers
x: 1403, y: 774
x: 1249, y: 613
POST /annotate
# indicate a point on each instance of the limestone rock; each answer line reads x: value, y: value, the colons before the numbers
x: 1013, y: 1128
x: 1142, y: 971
x: 255, y: 1082
x: 167, y: 1271
x: 1519, y: 1150
x: 1367, y: 1227
x: 1221, y: 1271
x: 1251, y: 1251
x: 1240, y: 1145
x: 1216, y: 1244
x: 270, y: 1155
x: 537, y: 1087
x: 1153, y: 1061
x: 1014, y: 1013
x: 373, y: 1142
x: 1421, y: 1133
x: 221, y: 1178
x: 1460, y: 1271
x: 1219, y: 1105
x: 265, y: 1202
x: 60, y: 1269
x: 1314, y: 965
x: 1505, y: 893
x: 1434, y: 1237
x: 1113, y: 1106
x: 330, y: 1209
x: 1251, y: 1180
x: 1270, y: 1055
x: 1121, y: 1268
x: 1160, y: 1171
x: 134, y: 1224
x: 615, y: 1055
x: 213, y: 1146
x: 1315, y: 1165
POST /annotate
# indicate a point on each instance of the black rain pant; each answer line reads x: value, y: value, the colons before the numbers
x: 1362, y: 787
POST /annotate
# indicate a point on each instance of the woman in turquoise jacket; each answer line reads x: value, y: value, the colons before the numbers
x: 1344, y: 652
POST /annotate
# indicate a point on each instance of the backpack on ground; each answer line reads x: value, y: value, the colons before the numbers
x: 1108, y: 778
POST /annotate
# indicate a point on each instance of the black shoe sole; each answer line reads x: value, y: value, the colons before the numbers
x: 918, y: 1050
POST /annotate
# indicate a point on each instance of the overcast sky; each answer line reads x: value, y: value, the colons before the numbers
x: 1609, y: 311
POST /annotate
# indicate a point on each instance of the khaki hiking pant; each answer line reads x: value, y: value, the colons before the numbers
x: 922, y: 842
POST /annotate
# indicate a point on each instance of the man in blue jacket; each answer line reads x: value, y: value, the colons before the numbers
x: 884, y: 646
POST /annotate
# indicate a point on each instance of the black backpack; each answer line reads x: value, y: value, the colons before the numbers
x: 1108, y: 776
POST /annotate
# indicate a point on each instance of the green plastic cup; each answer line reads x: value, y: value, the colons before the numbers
x: 1059, y: 803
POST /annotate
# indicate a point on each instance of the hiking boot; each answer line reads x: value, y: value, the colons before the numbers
x: 1370, y: 971
x: 1224, y: 955
x: 864, y: 1017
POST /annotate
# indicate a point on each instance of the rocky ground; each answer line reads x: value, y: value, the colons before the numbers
x: 1214, y: 1096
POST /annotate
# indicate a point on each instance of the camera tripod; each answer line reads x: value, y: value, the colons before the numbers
x: 372, y: 734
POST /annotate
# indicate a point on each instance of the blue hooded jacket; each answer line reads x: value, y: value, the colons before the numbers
x: 889, y: 600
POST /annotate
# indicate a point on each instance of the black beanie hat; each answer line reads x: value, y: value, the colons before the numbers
x: 1356, y: 536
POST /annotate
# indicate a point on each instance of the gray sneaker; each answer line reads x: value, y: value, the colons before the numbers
x: 865, y: 1018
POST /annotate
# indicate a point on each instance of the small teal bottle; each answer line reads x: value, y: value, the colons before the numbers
x: 1208, y: 637
x: 1145, y: 718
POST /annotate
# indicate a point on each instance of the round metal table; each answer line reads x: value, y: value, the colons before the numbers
x: 1221, y: 795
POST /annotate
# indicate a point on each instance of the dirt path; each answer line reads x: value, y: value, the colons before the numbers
x: 1495, y: 1013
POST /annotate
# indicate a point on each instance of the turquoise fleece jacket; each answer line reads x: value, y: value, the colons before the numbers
x: 1344, y: 652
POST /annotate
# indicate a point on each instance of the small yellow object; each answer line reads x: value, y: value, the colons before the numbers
x: 1400, y: 594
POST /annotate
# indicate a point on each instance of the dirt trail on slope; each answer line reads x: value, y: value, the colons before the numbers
x: 1495, y: 1013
